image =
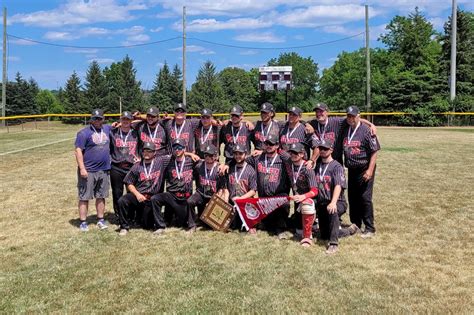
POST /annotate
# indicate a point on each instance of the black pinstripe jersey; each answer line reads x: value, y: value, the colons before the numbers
x: 231, y: 136
x: 148, y: 178
x: 206, y: 136
x: 156, y: 135
x: 272, y: 177
x: 261, y: 132
x: 185, y: 132
x: 330, y: 131
x: 358, y: 146
x: 328, y: 176
x: 240, y: 180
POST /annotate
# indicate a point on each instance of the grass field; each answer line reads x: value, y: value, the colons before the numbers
x: 421, y: 260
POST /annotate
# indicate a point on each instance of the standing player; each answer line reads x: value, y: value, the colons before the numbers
x: 294, y: 132
x: 206, y: 134
x: 264, y: 127
x: 331, y: 204
x: 93, y: 160
x: 360, y: 156
x: 123, y: 153
x: 143, y: 181
x: 303, y: 183
x: 152, y: 131
x: 179, y: 187
x: 181, y: 128
x: 208, y: 181
x: 235, y: 132
x: 240, y: 182
x: 329, y: 128
x: 272, y: 180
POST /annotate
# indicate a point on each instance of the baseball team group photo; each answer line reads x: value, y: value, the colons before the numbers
x: 242, y: 157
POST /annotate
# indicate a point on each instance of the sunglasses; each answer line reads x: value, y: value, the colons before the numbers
x: 294, y: 153
x: 178, y: 148
x: 150, y: 116
x: 323, y: 149
x: 234, y: 115
x: 205, y: 117
x: 97, y: 118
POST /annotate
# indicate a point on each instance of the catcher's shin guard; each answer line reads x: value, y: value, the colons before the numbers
x: 307, y: 222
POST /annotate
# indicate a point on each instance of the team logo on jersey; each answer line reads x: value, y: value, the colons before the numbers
x: 251, y: 211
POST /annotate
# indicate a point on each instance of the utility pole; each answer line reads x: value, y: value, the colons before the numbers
x: 120, y: 105
x: 184, y: 55
x: 4, y: 76
x: 454, y: 23
x: 367, y: 57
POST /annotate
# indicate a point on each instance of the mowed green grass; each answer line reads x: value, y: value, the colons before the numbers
x: 421, y: 259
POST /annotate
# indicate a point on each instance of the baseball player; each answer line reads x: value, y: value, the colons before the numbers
x: 294, y: 132
x: 152, y: 131
x: 123, y: 153
x: 331, y: 203
x: 303, y: 183
x: 360, y: 156
x: 329, y: 128
x: 272, y: 180
x: 181, y: 128
x: 240, y: 182
x: 208, y: 181
x: 235, y: 132
x: 265, y: 127
x: 92, y: 151
x: 206, y: 133
x: 144, y: 180
x: 179, y: 187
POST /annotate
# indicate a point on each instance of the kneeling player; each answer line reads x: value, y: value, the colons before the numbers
x: 143, y: 181
x: 207, y: 181
x: 331, y: 203
x: 240, y: 182
x: 303, y: 183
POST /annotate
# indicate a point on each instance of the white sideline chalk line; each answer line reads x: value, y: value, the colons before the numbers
x: 37, y: 146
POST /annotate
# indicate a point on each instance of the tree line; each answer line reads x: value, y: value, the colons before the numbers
x: 411, y: 75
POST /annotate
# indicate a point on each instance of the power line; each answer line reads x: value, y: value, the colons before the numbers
x: 93, y: 47
x: 276, y: 48
x: 180, y: 37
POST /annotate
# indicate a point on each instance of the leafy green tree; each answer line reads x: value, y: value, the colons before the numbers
x: 21, y: 96
x: 48, y: 103
x: 305, y: 81
x: 96, y: 90
x: 207, y: 91
x: 239, y: 88
x: 464, y: 60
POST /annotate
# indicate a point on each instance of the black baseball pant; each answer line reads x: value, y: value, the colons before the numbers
x: 330, y: 224
x: 361, y: 209
x: 179, y: 206
x: 117, y: 176
x: 130, y: 208
x: 199, y: 201
x: 275, y: 222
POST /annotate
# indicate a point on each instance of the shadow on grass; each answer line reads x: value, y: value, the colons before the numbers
x: 109, y: 217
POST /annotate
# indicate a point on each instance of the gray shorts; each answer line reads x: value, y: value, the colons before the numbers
x: 96, y: 185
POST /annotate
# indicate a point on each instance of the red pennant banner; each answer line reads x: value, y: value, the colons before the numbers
x: 254, y: 210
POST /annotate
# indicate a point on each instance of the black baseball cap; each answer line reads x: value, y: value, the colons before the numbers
x: 271, y: 139
x: 295, y: 110
x: 210, y: 149
x: 236, y: 110
x: 97, y: 113
x: 328, y: 144
x: 179, y: 142
x: 206, y: 112
x: 321, y: 106
x: 267, y: 107
x: 149, y: 146
x: 296, y: 147
x: 127, y: 115
x: 353, y: 110
x: 180, y: 106
x: 153, y: 111
x: 240, y: 148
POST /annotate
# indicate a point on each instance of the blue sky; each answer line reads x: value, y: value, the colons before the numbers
x: 247, y: 23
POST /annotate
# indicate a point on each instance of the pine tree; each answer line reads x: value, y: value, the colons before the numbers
x: 176, y: 85
x: 132, y: 96
x: 207, y: 91
x: 239, y: 88
x: 73, y: 98
x: 161, y: 95
x: 96, y: 90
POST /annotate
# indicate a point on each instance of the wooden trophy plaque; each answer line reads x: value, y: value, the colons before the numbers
x: 218, y: 214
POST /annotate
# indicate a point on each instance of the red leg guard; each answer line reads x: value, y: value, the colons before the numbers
x: 307, y: 222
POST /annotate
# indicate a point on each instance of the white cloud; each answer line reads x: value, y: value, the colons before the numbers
x: 208, y: 52
x: 248, y: 52
x: 81, y: 50
x: 156, y: 30
x: 262, y: 37
x: 13, y: 58
x: 60, y: 36
x: 194, y: 49
x: 375, y: 31
x: 211, y: 25
x: 101, y: 60
x: 95, y: 31
x: 298, y: 37
x: 75, y: 12
x: 21, y: 42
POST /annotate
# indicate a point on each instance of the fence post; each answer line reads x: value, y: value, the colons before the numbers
x: 22, y: 125
x: 49, y: 127
x: 36, y: 124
